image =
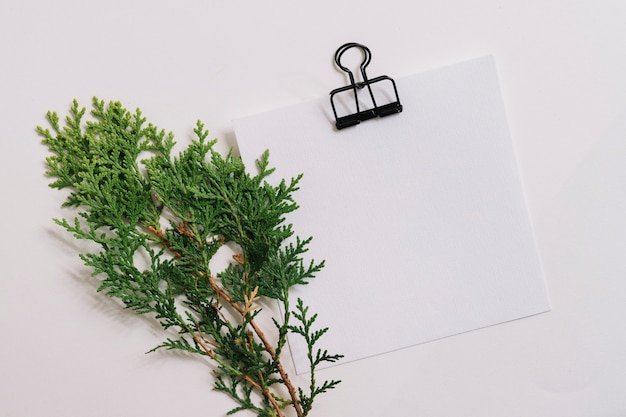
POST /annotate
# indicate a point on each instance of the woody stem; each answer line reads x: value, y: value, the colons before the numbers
x: 268, y: 347
x: 265, y: 391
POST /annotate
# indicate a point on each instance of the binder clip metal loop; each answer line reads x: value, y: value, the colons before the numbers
x: 375, y: 111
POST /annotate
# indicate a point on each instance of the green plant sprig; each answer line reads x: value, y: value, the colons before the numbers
x: 160, y: 219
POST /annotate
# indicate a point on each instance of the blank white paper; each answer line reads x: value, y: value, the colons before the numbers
x: 420, y: 216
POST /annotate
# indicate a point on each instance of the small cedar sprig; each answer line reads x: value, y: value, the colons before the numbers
x: 160, y: 220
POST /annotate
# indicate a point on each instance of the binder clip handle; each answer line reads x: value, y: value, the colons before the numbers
x: 367, y: 57
x: 361, y: 115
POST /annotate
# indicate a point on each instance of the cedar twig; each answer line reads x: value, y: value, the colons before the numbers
x: 206, y: 200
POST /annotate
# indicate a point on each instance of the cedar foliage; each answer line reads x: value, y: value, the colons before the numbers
x: 159, y: 220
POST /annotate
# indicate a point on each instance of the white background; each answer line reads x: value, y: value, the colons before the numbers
x: 67, y: 351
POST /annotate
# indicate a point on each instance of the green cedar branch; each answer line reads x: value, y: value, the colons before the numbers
x: 159, y: 219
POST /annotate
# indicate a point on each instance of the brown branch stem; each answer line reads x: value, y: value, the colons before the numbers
x: 267, y: 394
x: 265, y: 391
x: 208, y: 351
x: 268, y: 347
x: 159, y: 233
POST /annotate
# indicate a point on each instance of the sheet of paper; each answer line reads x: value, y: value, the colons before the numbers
x: 420, y: 216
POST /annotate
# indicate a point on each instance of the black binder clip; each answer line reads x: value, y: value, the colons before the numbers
x: 375, y: 111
